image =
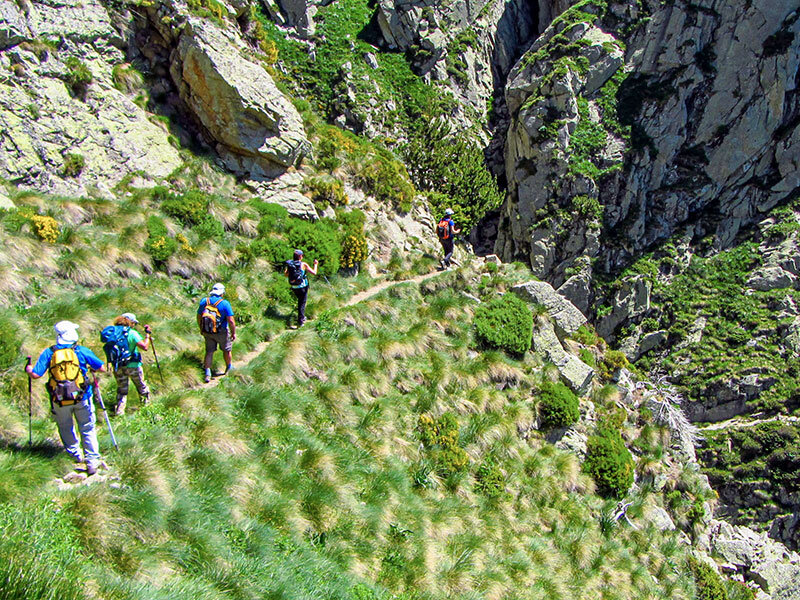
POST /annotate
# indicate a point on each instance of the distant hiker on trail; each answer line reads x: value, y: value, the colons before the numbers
x: 121, y: 343
x: 296, y: 271
x: 70, y: 392
x: 216, y: 322
x: 446, y: 229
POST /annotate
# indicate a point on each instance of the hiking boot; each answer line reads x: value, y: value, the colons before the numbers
x: 90, y: 469
x: 145, y: 400
x: 229, y: 368
x: 207, y: 378
x: 119, y: 408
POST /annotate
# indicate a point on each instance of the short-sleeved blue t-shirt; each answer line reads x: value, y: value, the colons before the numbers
x: 224, y: 307
x: 86, y: 359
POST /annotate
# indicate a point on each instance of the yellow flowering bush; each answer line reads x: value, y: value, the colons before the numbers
x: 45, y: 227
x: 184, y: 244
x: 354, y: 250
x: 439, y: 436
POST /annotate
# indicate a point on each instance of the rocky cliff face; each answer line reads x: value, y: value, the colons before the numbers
x: 58, y: 100
x: 76, y: 114
x: 634, y: 120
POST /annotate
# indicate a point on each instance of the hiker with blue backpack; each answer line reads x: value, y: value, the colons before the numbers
x: 296, y: 271
x: 70, y: 392
x: 218, y: 326
x: 122, y: 345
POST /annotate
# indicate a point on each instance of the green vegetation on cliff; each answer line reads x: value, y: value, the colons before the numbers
x: 764, y: 457
x: 374, y: 454
x: 397, y: 103
x: 736, y: 333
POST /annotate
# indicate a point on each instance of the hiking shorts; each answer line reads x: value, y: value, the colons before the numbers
x: 221, y: 339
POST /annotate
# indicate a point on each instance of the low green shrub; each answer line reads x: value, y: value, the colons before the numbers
x: 609, y: 462
x: 209, y: 228
x: 558, y: 405
x: 707, y: 581
x: 319, y: 240
x: 159, y: 245
x: 506, y: 323
x: 489, y: 480
x: 190, y: 208
x: 73, y: 164
x: 587, y: 356
x: 325, y: 191
x: 274, y: 249
x: 613, y: 361
x: 274, y: 218
x: 277, y: 290
x: 386, y: 178
x: 351, y: 221
x: 586, y: 335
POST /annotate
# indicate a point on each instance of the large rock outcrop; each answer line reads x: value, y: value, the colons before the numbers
x: 45, y: 118
x: 552, y: 214
x: 703, y: 129
x: 767, y: 563
x: 72, y: 108
x: 563, y: 320
x: 258, y: 133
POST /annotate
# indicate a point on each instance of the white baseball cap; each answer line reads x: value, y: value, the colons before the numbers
x: 218, y: 289
x: 448, y: 211
x: 66, y: 332
x: 131, y: 317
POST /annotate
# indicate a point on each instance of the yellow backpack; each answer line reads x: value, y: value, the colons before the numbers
x: 66, y: 378
x: 211, y: 317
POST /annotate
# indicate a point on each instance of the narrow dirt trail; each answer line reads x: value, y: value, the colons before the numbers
x: 744, y: 423
x: 359, y: 297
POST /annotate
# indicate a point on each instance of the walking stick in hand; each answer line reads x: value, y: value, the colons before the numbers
x: 105, y: 412
x: 148, y: 331
x: 30, y: 407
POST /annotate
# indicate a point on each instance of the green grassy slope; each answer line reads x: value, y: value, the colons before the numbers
x: 308, y: 473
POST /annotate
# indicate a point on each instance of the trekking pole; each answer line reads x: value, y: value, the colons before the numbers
x: 152, y: 341
x: 330, y: 286
x: 105, y: 412
x: 30, y: 406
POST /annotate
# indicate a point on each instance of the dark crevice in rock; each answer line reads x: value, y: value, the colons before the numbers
x: 519, y: 27
x: 152, y: 54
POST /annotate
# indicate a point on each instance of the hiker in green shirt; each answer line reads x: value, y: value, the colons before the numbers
x: 133, y: 370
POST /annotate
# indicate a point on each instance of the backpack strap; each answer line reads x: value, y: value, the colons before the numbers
x: 217, y: 303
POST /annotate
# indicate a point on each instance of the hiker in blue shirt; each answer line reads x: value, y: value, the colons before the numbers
x: 446, y: 229
x: 218, y: 326
x: 71, y: 392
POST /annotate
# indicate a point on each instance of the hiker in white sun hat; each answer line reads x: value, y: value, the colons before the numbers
x: 70, y: 392
x: 218, y: 326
